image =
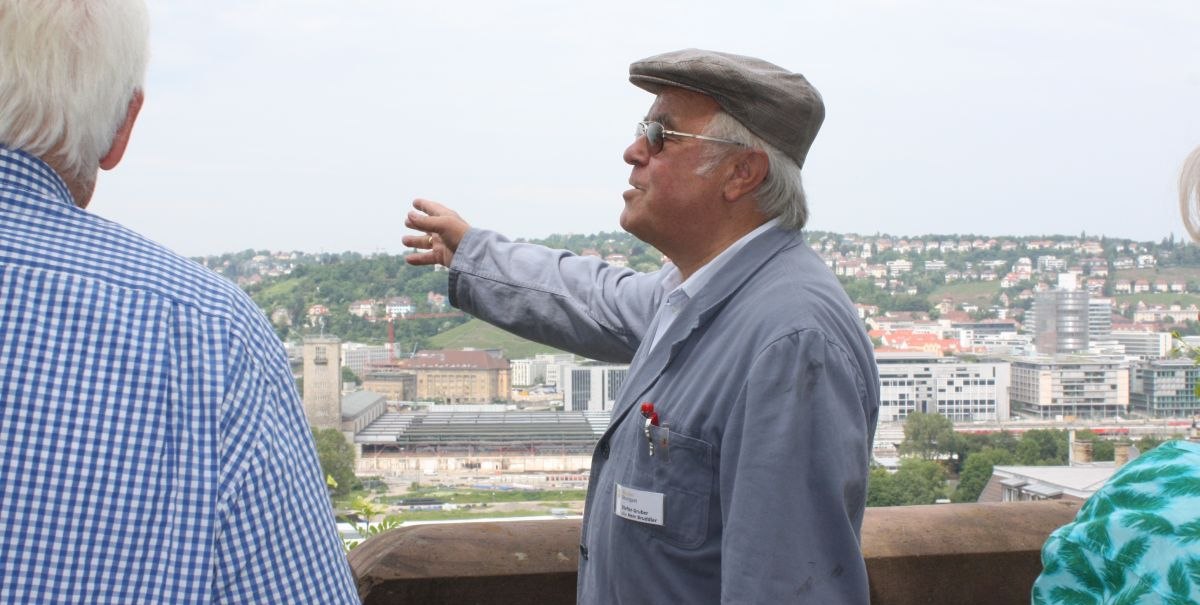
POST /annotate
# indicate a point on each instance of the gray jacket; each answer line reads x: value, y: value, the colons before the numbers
x: 768, y: 392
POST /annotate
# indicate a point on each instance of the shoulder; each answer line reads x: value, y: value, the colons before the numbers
x: 794, y: 290
x: 81, y: 246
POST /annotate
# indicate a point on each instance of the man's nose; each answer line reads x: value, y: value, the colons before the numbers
x: 638, y: 152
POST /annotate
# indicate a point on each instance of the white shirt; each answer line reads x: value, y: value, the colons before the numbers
x: 681, y: 293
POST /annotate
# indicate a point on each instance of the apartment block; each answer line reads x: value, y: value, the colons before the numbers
x: 1070, y: 387
x: 1165, y: 388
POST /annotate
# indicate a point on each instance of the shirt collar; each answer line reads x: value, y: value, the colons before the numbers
x: 24, y: 170
x: 692, y: 285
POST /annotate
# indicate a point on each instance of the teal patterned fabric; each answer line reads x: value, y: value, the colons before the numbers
x: 1136, y: 541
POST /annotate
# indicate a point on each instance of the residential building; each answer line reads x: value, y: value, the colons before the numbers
x: 1069, y: 387
x: 959, y: 390
x: 362, y: 308
x: 399, y: 306
x: 436, y: 301
x: 1165, y: 314
x: 898, y: 266
x: 1050, y: 264
x: 1028, y: 483
x: 1165, y: 388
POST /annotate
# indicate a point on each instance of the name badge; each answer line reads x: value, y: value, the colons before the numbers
x: 640, y: 506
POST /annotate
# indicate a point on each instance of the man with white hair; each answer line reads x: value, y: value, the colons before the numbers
x: 152, y: 445
x: 734, y: 468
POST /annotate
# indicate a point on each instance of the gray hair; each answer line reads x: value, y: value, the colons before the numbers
x: 1189, y: 194
x: 68, y: 71
x: 781, y: 193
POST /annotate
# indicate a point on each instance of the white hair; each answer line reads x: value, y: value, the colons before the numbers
x: 1189, y: 194
x: 68, y: 71
x: 781, y: 193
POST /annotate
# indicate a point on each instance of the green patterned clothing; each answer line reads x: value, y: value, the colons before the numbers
x: 1136, y: 541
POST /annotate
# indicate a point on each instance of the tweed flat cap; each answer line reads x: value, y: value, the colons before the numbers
x: 779, y: 106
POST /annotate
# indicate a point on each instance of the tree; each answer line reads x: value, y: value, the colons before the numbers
x: 1042, y: 447
x: 337, y: 460
x: 977, y: 471
x: 917, y: 482
x: 928, y: 435
x: 348, y: 375
x: 1147, y: 443
x: 882, y: 489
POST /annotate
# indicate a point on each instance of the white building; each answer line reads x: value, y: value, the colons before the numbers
x: 541, y: 369
x: 1099, y: 318
x: 590, y: 387
x: 358, y: 357
x: 1070, y: 387
x: 959, y: 390
x: 1144, y: 345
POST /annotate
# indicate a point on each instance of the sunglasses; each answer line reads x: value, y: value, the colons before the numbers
x: 656, y: 134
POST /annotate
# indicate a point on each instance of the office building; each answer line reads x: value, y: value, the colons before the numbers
x: 1060, y: 319
x: 590, y: 387
x: 1069, y: 387
x: 1144, y: 345
x: 959, y: 390
x: 1165, y: 388
x: 540, y: 369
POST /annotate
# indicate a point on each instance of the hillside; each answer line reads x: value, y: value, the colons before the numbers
x: 979, y: 293
x: 476, y: 334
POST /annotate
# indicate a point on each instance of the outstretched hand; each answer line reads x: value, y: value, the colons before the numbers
x: 443, y: 228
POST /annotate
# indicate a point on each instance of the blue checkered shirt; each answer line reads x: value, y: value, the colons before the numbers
x: 152, y: 445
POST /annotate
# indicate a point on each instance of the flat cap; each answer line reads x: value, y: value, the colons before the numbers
x: 778, y: 105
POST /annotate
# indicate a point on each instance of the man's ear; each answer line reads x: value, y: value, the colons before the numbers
x: 749, y: 171
x: 121, y: 140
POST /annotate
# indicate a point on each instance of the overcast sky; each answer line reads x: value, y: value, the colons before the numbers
x: 312, y: 124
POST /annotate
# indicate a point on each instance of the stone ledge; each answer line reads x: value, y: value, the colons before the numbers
x: 982, y: 554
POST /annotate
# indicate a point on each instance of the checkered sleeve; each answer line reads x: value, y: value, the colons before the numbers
x: 277, y: 541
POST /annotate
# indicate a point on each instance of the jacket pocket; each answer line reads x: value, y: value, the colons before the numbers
x: 681, y: 470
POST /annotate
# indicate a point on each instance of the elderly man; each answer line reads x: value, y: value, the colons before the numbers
x: 735, y: 465
x: 152, y: 445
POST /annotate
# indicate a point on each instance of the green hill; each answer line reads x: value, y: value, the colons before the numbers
x: 976, y: 292
x: 476, y: 334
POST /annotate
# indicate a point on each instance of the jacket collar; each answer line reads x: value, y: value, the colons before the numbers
x: 649, y: 363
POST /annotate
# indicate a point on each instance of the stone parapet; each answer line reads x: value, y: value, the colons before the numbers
x: 983, y: 554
